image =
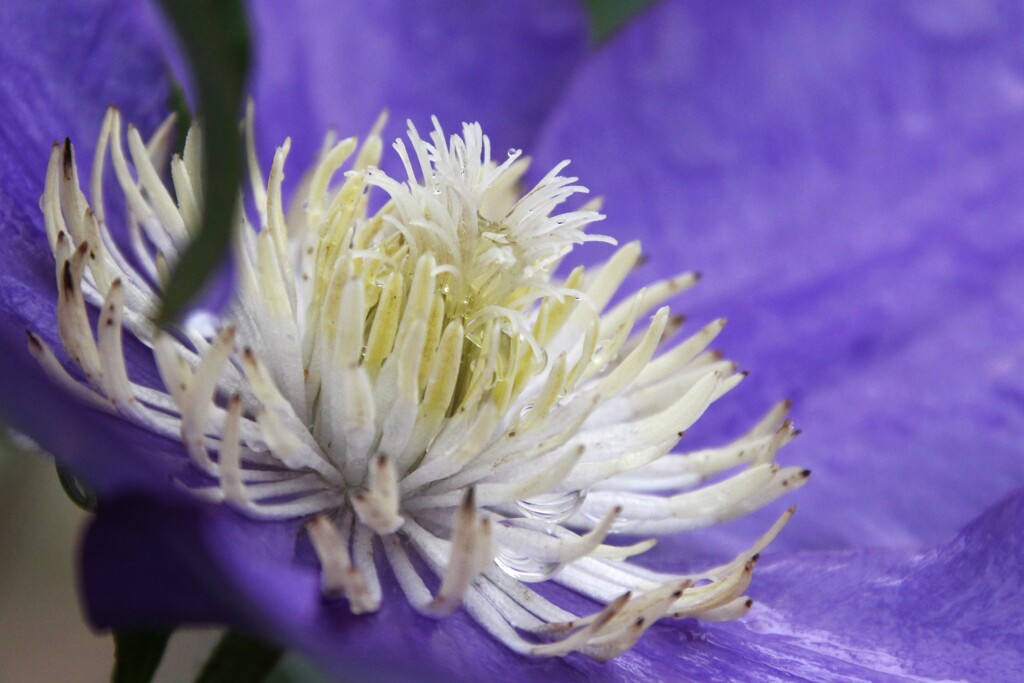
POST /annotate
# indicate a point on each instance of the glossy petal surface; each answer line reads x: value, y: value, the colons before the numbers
x: 847, y: 175
x: 323, y: 64
x: 861, y: 614
x: 63, y: 63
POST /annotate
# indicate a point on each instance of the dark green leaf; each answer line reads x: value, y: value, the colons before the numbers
x: 215, y: 36
x: 80, y: 494
x: 137, y: 654
x: 608, y: 15
x: 239, y: 659
x: 295, y: 669
x: 178, y: 103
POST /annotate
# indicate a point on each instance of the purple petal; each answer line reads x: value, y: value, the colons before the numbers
x: 323, y: 64
x: 864, y: 614
x: 62, y: 65
x: 846, y: 176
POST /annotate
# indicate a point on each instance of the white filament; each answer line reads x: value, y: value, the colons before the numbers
x: 416, y: 381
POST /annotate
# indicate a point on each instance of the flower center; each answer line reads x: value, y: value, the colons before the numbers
x: 417, y: 383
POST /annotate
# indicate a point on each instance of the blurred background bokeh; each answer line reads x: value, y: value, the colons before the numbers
x: 43, y: 635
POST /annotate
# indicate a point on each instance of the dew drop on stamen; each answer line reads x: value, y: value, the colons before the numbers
x: 621, y: 525
x: 512, y: 151
x: 522, y: 567
x: 553, y: 507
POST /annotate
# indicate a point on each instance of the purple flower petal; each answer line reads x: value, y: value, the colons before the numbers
x: 863, y: 614
x: 62, y: 65
x: 322, y: 64
x: 846, y: 176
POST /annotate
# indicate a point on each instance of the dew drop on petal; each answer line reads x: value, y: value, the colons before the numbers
x: 553, y: 507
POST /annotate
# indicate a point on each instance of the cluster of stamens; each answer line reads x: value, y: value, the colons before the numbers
x: 416, y: 383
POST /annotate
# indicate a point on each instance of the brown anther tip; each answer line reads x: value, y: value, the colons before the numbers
x: 641, y: 260
x: 805, y: 474
x: 797, y: 432
x: 62, y: 237
x: 787, y: 403
x: 617, y: 509
x: 69, y: 158
x: 247, y: 353
x: 469, y: 499
x: 67, y: 282
x: 360, y: 496
x: 745, y: 373
x: 697, y: 276
x: 235, y: 399
x: 681, y: 433
x: 749, y: 603
x: 640, y: 622
x: 382, y: 460
x: 116, y: 283
x: 755, y: 557
x: 512, y: 434
x: 677, y: 594
x: 34, y: 340
x: 717, y: 354
x: 677, y: 319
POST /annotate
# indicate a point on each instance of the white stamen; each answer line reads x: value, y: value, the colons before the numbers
x: 417, y: 379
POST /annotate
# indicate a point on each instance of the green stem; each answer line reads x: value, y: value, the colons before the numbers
x: 137, y: 654
x: 239, y: 658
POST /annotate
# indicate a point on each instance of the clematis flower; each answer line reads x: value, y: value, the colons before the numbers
x: 154, y: 556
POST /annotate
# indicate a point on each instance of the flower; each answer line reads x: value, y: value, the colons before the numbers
x: 855, y: 613
x: 416, y: 384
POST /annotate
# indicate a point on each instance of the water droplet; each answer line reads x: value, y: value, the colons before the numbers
x: 553, y: 507
x: 523, y: 568
x: 759, y: 625
x: 527, y: 408
x: 512, y: 151
x: 437, y: 190
x: 621, y: 524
